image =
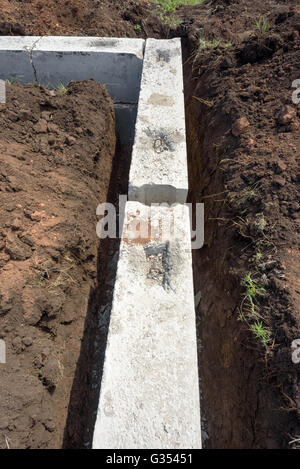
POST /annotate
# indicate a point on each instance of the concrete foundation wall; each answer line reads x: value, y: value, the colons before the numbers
x: 158, y: 170
x: 149, y: 392
x: 149, y: 396
x: 116, y: 63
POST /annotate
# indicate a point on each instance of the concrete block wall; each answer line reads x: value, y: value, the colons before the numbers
x: 149, y: 392
x: 51, y: 60
x: 158, y: 170
x: 149, y: 395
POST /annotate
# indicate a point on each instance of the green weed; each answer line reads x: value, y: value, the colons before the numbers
x: 169, y: 6
x: 62, y: 89
x: 253, y: 291
x: 262, y: 26
x: 260, y: 332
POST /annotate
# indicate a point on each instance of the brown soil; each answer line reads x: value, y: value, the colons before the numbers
x: 56, y: 159
x: 74, y: 17
x: 243, y: 142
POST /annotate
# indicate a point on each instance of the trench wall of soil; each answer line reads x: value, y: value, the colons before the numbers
x: 57, y: 155
x: 226, y: 384
x: 249, y: 392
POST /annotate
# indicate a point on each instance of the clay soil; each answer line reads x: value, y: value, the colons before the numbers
x: 243, y: 143
x: 56, y: 155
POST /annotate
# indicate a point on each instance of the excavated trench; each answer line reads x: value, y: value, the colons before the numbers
x: 225, y: 384
x: 231, y: 375
x: 84, y: 397
x: 240, y: 406
x: 226, y: 417
x: 239, y: 410
x: 228, y: 371
x: 227, y: 420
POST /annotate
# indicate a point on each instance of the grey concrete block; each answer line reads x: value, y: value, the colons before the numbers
x: 149, y: 394
x: 2, y: 92
x: 116, y: 63
x: 158, y: 171
x: 125, y: 115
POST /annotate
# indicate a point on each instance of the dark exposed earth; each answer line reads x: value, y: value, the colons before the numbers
x: 56, y: 155
x: 243, y: 138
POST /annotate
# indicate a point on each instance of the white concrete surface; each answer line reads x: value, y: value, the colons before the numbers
x: 158, y: 170
x: 114, y: 45
x: 2, y: 92
x: 149, y: 394
x: 116, y: 63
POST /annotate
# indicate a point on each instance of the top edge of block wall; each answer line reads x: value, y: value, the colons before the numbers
x: 74, y: 44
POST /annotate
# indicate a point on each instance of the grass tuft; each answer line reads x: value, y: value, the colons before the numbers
x: 249, y: 312
x: 262, y: 25
x: 169, y: 6
x: 62, y: 89
x: 260, y: 332
x: 252, y: 289
x: 204, y: 44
